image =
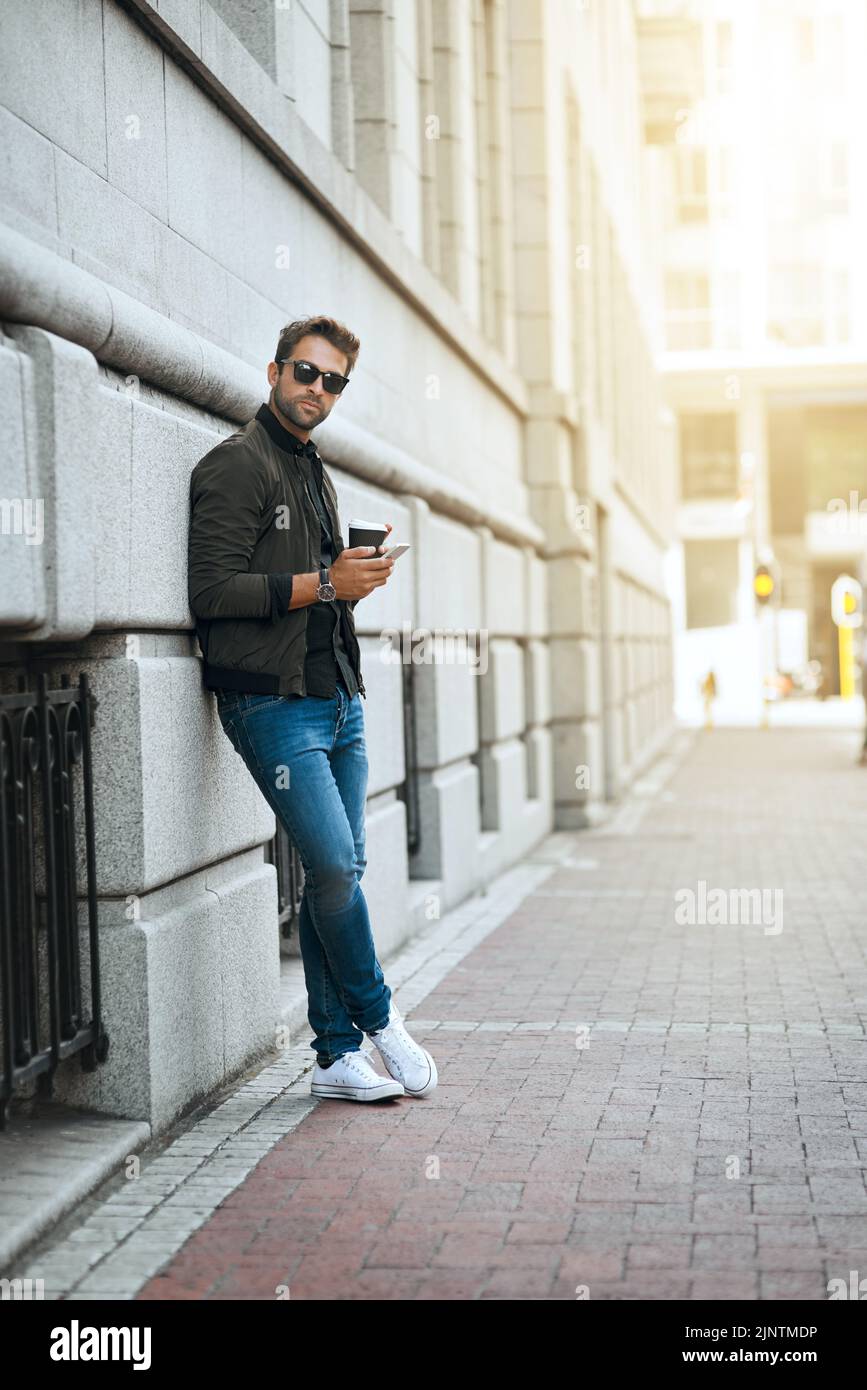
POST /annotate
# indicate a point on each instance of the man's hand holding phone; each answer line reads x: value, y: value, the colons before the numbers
x: 357, y: 572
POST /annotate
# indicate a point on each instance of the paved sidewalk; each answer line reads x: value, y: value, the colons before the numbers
x: 632, y: 1104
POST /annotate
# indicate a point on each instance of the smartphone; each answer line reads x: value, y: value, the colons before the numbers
x: 395, y: 551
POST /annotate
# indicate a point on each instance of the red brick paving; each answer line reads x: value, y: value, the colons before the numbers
x: 537, y: 1166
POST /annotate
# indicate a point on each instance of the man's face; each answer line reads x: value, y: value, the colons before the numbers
x: 306, y: 406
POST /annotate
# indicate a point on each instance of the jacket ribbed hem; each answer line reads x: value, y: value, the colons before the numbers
x: 251, y: 682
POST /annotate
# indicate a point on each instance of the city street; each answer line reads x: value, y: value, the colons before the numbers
x: 631, y: 1105
x: 435, y: 448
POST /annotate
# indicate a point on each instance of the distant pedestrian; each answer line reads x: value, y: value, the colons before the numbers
x: 708, y: 690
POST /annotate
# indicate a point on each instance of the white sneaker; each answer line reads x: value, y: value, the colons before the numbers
x: 404, y: 1059
x: 352, y: 1077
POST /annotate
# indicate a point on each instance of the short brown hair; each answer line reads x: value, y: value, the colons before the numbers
x: 336, y: 333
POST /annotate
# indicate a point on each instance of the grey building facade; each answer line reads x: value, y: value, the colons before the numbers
x: 465, y: 185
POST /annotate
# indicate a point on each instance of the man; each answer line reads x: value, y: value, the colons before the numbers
x: 273, y: 591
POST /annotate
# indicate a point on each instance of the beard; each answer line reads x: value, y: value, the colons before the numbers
x: 298, y: 412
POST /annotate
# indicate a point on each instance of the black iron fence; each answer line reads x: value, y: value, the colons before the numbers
x: 282, y: 853
x: 46, y: 834
x: 408, y: 791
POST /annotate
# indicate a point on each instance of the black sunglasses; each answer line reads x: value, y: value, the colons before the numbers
x: 306, y: 372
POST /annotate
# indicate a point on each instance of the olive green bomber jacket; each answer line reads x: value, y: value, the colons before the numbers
x: 252, y: 525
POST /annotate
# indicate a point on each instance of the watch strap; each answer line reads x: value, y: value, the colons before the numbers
x: 324, y: 580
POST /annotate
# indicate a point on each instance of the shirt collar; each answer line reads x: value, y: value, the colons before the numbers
x: 284, y: 438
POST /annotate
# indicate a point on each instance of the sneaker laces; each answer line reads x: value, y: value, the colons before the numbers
x: 395, y: 1032
x: 357, y: 1062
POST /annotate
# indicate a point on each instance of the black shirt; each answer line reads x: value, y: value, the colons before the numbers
x: 326, y: 659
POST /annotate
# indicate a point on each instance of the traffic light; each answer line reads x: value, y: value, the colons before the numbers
x: 847, y: 613
x: 846, y: 599
x: 763, y: 584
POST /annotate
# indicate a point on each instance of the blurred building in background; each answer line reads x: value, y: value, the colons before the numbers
x: 474, y: 187
x: 765, y: 367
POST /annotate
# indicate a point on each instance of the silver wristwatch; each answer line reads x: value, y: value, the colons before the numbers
x: 326, y: 590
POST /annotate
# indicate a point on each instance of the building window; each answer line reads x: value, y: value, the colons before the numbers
x: 723, y: 168
x: 708, y: 456
x: 711, y: 582
x: 839, y: 306
x: 831, y: 46
x: 727, y: 311
x: 835, y: 450
x: 725, y: 71
x: 795, y: 305
x: 492, y: 180
x: 809, y: 305
x: 254, y: 23
x: 834, y: 174
x: 691, y: 172
x: 820, y: 48
x: 687, y: 301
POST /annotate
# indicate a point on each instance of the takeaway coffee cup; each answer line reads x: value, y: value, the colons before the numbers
x: 366, y: 533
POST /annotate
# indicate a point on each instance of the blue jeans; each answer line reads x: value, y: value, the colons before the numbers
x: 308, y: 756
